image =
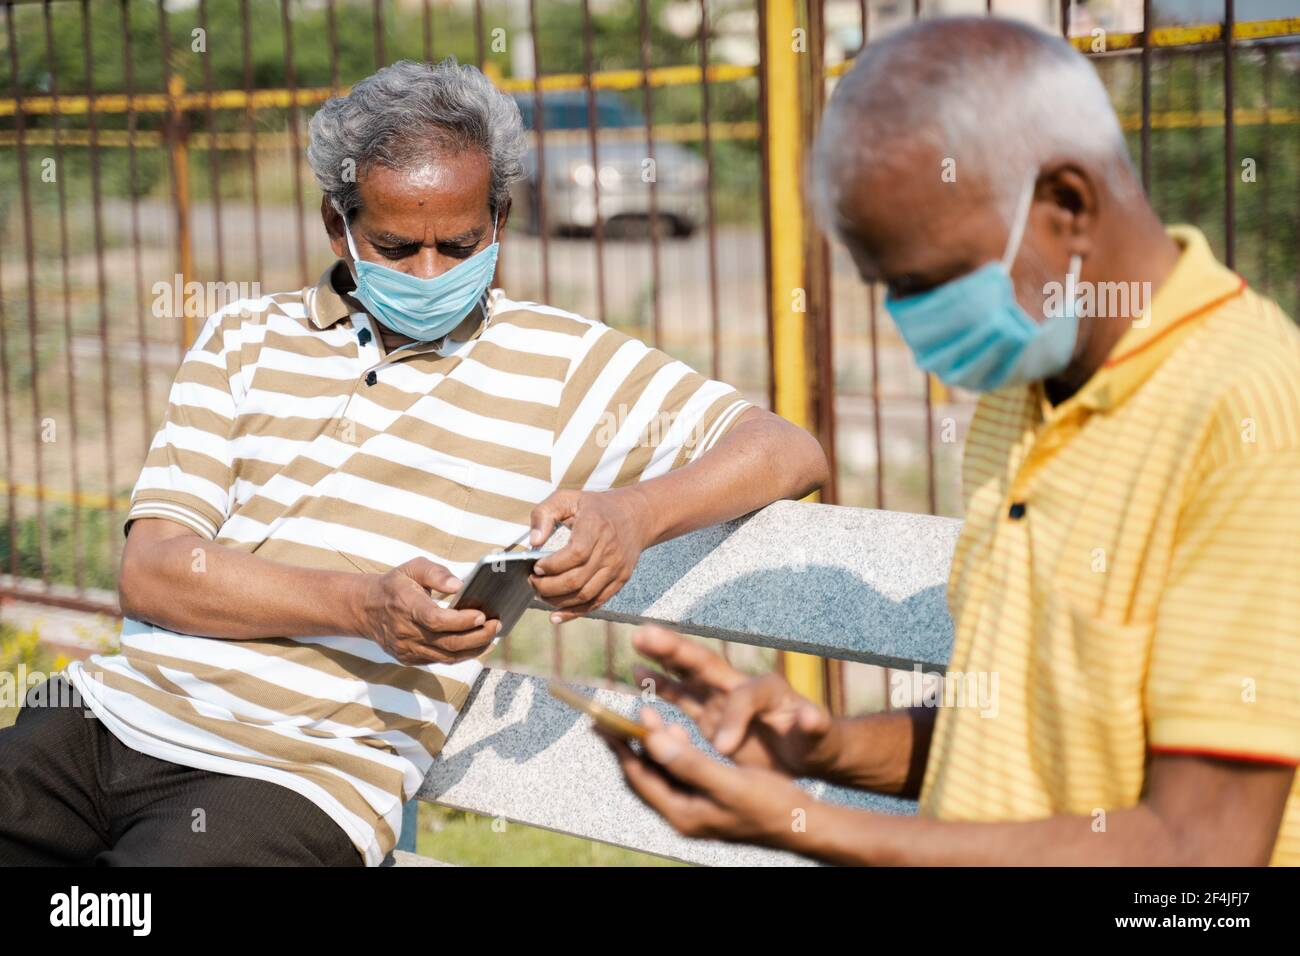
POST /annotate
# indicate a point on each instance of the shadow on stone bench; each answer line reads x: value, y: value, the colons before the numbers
x: 839, y: 582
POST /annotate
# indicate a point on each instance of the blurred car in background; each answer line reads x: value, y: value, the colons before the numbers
x: 625, y: 173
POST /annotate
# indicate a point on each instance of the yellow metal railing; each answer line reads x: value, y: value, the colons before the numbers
x: 664, y: 76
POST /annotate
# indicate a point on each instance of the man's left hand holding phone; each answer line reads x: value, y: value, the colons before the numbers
x: 401, y: 616
x: 418, y: 629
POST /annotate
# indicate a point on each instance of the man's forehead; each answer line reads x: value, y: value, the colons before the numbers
x: 451, y: 186
x: 898, y: 222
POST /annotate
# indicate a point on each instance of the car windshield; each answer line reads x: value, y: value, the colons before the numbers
x: 568, y: 110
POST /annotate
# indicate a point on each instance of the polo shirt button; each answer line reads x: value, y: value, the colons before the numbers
x: 364, y: 336
x: 1017, y: 511
x: 371, y: 378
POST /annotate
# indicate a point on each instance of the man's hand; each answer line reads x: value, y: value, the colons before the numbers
x: 757, y: 722
x: 703, y: 798
x: 608, y: 532
x: 397, y: 613
x: 1197, y: 811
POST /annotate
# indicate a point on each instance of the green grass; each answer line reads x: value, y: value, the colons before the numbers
x: 466, y: 839
x: 61, y: 546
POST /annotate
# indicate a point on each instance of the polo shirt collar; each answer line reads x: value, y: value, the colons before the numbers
x: 326, y: 305
x: 1195, y: 287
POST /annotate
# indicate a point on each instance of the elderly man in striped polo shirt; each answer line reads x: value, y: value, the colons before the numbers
x: 1129, y: 569
x: 328, y: 458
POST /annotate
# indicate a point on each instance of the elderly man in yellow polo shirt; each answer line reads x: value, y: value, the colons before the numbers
x: 1130, y: 561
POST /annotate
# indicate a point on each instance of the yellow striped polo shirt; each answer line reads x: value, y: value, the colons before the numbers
x: 1129, y: 568
x: 290, y: 434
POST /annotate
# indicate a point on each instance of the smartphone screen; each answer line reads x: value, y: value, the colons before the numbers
x: 499, y: 587
x: 608, y: 720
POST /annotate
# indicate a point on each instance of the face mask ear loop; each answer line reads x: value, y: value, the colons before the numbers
x: 1075, y: 269
x: 352, y: 246
x: 1072, y: 276
x: 1019, y: 223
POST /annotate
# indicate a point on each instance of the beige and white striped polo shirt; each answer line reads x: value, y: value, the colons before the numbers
x: 291, y: 435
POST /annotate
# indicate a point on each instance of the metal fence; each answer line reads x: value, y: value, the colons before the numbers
x: 145, y: 147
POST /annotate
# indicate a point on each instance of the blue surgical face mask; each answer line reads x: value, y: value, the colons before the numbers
x: 972, y: 333
x: 423, y: 309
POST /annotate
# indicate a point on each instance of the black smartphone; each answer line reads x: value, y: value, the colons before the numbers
x: 498, y: 586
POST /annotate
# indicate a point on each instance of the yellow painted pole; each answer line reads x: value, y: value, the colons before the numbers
x: 785, y: 47
x: 180, y: 163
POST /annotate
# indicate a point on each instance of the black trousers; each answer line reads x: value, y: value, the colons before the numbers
x: 71, y: 793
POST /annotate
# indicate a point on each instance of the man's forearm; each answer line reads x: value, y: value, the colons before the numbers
x: 193, y: 586
x: 1135, y: 836
x: 762, y: 459
x: 884, y: 752
x: 1194, y: 811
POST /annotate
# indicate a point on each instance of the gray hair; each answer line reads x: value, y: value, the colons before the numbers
x: 398, y: 115
x: 1000, y: 98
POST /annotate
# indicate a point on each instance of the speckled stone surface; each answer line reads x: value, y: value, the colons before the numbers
x: 402, y: 858
x: 518, y: 753
x: 851, y: 583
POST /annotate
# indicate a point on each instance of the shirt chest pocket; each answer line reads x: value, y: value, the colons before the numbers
x: 1093, y: 674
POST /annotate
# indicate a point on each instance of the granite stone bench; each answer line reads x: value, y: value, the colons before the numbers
x: 847, y: 583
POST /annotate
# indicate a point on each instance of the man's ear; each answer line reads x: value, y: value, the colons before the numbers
x: 1073, y: 197
x: 503, y: 216
x: 333, y: 227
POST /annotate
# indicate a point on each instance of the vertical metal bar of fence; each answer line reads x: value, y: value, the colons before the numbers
x: 176, y: 135
x: 710, y: 205
x: 377, y: 26
x: 295, y: 139
x: 864, y: 23
x: 1145, y: 134
x: 1194, y: 194
x: 647, y: 101
x: 1230, y: 169
x: 214, y: 151
x: 250, y: 127
x: 710, y: 213
x: 1160, y: 151
x: 593, y: 122
x: 820, y: 306
x: 765, y: 204
x: 1266, y: 160
x: 426, y: 23
x: 29, y: 244
x: 133, y: 182
x: 931, y: 386
x: 819, y: 273
x: 332, y: 38
x: 480, y: 60
x: 11, y: 490
x: 543, y: 228
x: 480, y: 51
x: 74, y: 475
x: 101, y: 290
x: 11, y: 515
x: 598, y: 227
x: 874, y: 328
x: 539, y: 133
